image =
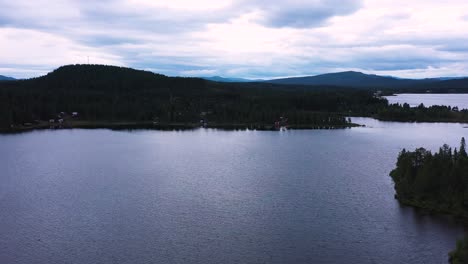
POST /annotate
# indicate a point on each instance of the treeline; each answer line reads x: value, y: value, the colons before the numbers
x: 436, y: 181
x: 114, y: 94
x: 403, y: 112
x: 442, y: 86
x: 108, y: 93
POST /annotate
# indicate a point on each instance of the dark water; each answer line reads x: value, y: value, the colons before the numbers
x: 206, y: 196
x: 453, y: 100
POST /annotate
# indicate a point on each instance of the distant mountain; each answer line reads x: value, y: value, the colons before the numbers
x: 222, y: 79
x: 5, y: 78
x: 450, y: 78
x: 451, y: 85
x: 352, y: 79
x: 116, y: 94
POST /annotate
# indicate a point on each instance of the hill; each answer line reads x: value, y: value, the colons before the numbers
x: 222, y: 79
x: 106, y: 95
x: 115, y: 94
x: 458, y: 85
x: 352, y: 79
x: 6, y: 78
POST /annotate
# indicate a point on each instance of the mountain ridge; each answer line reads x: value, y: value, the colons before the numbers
x: 346, y: 79
x: 6, y: 78
x: 339, y: 80
x: 353, y: 79
x: 225, y: 79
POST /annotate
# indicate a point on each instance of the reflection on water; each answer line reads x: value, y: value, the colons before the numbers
x: 208, y: 196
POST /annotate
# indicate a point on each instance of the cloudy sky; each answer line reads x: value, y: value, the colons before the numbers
x: 237, y: 38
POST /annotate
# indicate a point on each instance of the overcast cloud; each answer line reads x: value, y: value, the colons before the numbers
x: 237, y: 38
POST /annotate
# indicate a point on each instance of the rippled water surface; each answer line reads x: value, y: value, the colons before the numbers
x: 207, y: 196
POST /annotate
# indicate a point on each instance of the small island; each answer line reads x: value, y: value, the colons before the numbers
x: 437, y: 182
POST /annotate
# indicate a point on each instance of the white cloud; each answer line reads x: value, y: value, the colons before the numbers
x: 184, y: 4
x: 22, y: 49
x: 237, y: 38
x: 298, y: 13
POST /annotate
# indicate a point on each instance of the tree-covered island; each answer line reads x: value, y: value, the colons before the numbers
x: 437, y: 182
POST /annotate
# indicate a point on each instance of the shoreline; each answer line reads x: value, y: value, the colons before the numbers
x: 434, y: 208
x: 459, y: 253
x: 452, y: 121
x: 130, y: 125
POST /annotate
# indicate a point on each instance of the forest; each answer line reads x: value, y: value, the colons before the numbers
x: 109, y: 94
x: 437, y: 182
x: 421, y: 113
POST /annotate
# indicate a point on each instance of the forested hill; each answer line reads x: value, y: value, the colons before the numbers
x: 109, y: 93
x: 229, y: 80
x: 78, y: 78
x: 376, y: 82
x: 443, y: 86
x: 6, y: 78
x: 353, y: 79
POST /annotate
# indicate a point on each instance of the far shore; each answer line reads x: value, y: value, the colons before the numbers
x: 126, y: 125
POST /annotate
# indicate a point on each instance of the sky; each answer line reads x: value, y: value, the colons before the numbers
x: 237, y: 38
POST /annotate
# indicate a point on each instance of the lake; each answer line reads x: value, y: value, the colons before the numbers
x: 459, y: 100
x: 210, y: 196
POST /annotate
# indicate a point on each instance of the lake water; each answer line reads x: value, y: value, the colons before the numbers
x: 459, y: 100
x: 208, y: 196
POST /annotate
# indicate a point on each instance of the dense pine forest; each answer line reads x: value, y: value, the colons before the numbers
x: 405, y: 113
x: 109, y: 94
x: 438, y: 182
